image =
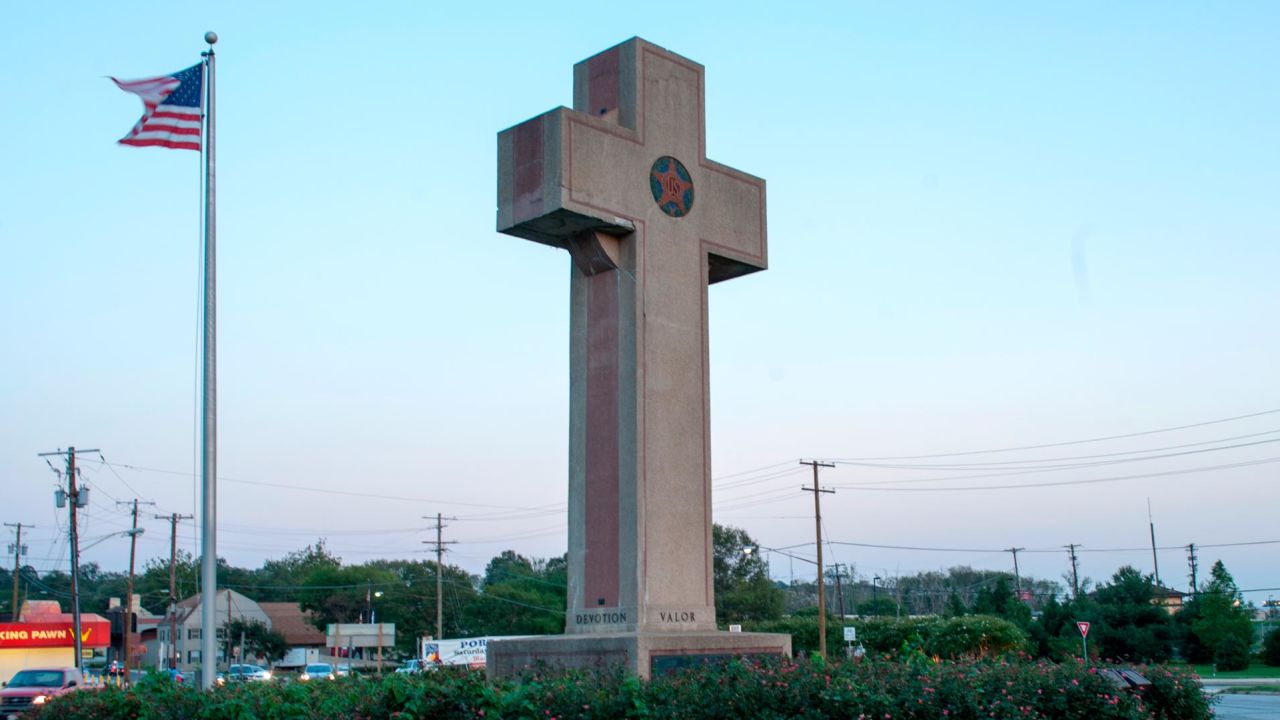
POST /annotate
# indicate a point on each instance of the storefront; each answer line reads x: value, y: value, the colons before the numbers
x: 49, y: 642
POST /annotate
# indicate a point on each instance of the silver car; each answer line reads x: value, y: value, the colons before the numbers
x: 245, y: 673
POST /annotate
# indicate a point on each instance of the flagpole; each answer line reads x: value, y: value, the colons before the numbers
x: 209, y: 375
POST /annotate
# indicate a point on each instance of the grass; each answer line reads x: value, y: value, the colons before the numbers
x: 1256, y: 670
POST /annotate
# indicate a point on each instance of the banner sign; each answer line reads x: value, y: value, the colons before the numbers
x: 93, y: 633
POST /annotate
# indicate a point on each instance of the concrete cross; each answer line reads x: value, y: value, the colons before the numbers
x: 623, y: 183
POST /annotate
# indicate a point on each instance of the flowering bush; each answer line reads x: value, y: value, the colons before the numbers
x: 737, y: 690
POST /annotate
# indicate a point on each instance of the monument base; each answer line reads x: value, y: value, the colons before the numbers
x: 640, y: 653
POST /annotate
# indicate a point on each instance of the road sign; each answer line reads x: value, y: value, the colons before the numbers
x: 850, y: 634
x: 1084, y: 629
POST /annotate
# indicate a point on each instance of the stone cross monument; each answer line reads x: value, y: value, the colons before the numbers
x: 623, y: 183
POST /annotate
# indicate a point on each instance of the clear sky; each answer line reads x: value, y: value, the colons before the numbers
x: 991, y: 225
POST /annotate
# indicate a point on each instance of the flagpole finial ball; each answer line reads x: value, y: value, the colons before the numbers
x: 211, y: 37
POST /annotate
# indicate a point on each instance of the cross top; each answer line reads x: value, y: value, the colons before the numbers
x: 631, y: 151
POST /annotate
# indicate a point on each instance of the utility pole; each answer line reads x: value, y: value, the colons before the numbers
x: 439, y: 543
x: 839, y: 591
x: 173, y: 585
x: 1075, y: 570
x: 128, y: 602
x: 1155, y: 559
x: 1193, y: 565
x: 1017, y: 576
x: 817, y: 521
x: 74, y: 498
x: 18, y: 550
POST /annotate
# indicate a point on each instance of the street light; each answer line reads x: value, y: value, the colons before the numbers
x: 372, y: 617
x: 132, y: 532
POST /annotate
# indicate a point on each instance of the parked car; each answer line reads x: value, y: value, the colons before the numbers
x: 114, y: 669
x: 245, y: 673
x: 415, y: 665
x: 316, y: 671
x: 35, y: 686
x: 342, y: 670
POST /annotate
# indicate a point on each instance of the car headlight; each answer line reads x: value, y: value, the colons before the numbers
x: 266, y: 675
x: 304, y: 677
x: 39, y: 699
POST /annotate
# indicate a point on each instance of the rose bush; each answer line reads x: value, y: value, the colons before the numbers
x: 736, y: 690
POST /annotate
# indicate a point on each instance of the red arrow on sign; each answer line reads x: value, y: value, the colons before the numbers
x: 1084, y: 629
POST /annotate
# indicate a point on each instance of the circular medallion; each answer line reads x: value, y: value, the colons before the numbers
x: 671, y: 185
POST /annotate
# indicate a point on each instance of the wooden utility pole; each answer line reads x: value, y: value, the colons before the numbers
x: 128, y: 601
x: 1017, y: 576
x: 18, y: 551
x: 817, y: 521
x: 75, y: 499
x: 839, y: 591
x: 1193, y: 565
x: 1075, y: 570
x: 439, y: 543
x: 173, y: 584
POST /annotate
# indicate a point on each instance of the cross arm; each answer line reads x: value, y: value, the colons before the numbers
x: 734, y: 225
x: 536, y: 198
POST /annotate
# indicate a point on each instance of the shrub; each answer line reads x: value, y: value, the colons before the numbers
x: 951, y: 638
x: 737, y: 690
x: 1271, y: 648
x: 1232, y: 654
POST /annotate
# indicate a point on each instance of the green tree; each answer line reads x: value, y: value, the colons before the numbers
x: 1271, y: 648
x: 955, y: 606
x: 743, y: 589
x: 1223, y: 617
x: 1132, y: 627
x: 254, y: 639
x: 520, y: 596
x: 998, y: 600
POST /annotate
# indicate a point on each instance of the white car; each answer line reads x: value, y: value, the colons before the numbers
x: 415, y: 666
x: 316, y: 671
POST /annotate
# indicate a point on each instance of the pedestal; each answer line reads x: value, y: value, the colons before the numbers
x: 642, y: 654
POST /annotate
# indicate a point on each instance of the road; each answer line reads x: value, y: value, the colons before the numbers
x: 1247, y: 707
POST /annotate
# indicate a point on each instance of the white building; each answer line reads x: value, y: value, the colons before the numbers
x: 228, y: 605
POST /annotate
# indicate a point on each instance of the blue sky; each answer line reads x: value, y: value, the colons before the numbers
x: 991, y: 225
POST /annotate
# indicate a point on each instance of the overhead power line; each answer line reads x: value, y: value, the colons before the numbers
x: 1069, y: 442
x: 1056, y: 483
x: 1027, y: 464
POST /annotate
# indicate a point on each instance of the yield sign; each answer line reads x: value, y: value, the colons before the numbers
x: 1084, y: 629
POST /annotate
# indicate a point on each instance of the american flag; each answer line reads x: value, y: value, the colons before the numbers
x: 172, y: 115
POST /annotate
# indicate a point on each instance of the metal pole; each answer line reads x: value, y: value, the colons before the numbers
x: 439, y: 576
x: 209, y: 375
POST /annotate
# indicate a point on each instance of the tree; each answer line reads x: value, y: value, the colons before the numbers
x: 741, y: 579
x: 258, y: 640
x: 1223, y: 618
x: 998, y: 600
x: 1271, y: 648
x: 520, y: 596
x: 1132, y: 627
x: 955, y: 606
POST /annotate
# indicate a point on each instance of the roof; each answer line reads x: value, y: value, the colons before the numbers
x: 288, y: 619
